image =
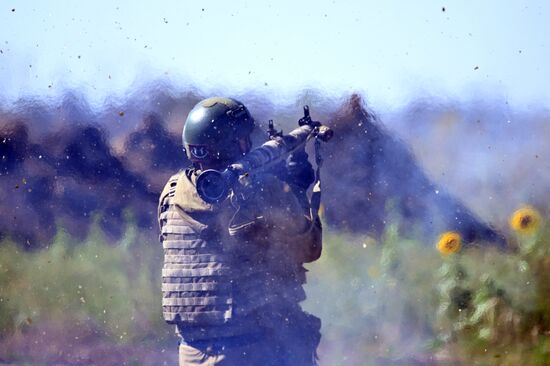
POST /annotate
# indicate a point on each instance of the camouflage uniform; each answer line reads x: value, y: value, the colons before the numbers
x: 233, y: 274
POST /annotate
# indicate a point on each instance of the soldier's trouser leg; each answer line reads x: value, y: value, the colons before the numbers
x: 257, y: 353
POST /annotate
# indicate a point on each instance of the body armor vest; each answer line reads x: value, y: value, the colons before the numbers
x: 208, y: 278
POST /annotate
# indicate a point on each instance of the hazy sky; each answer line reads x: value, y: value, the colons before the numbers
x: 391, y: 51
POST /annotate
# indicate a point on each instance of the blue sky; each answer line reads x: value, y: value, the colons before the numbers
x: 391, y: 51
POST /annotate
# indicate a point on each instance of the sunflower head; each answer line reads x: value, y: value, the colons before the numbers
x: 526, y: 220
x: 449, y: 242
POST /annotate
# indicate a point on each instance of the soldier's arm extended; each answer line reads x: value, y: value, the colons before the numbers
x: 298, y: 175
x: 292, y: 224
x: 275, y: 213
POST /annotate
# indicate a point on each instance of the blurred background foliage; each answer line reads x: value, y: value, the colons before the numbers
x: 80, y: 262
x: 74, y: 295
x: 387, y: 301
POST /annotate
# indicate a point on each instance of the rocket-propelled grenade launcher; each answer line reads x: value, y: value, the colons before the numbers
x: 213, y: 186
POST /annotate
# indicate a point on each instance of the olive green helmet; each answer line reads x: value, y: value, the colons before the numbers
x: 213, y: 129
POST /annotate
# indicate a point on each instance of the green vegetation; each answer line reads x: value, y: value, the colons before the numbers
x: 401, y: 302
x: 392, y: 301
x: 88, y: 289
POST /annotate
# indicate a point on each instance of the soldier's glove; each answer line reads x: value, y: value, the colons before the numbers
x: 296, y: 170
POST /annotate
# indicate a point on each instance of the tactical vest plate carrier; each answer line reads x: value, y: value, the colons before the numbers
x: 196, y: 286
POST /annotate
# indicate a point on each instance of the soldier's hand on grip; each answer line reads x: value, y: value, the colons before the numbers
x: 299, y: 170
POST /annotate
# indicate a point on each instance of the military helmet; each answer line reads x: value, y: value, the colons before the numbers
x: 213, y: 129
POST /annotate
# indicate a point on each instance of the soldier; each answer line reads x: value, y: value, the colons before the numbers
x: 233, y: 271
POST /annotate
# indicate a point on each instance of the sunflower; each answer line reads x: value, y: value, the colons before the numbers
x: 526, y: 220
x: 449, y: 242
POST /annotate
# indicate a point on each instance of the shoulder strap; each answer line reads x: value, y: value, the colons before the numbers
x: 316, y: 193
x: 168, y: 191
x: 170, y: 187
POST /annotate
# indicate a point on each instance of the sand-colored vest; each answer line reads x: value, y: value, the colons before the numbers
x: 208, y: 277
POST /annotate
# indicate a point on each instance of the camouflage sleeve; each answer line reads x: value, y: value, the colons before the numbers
x: 290, y: 228
x: 312, y: 241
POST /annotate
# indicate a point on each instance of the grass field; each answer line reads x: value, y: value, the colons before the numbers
x: 387, y: 301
